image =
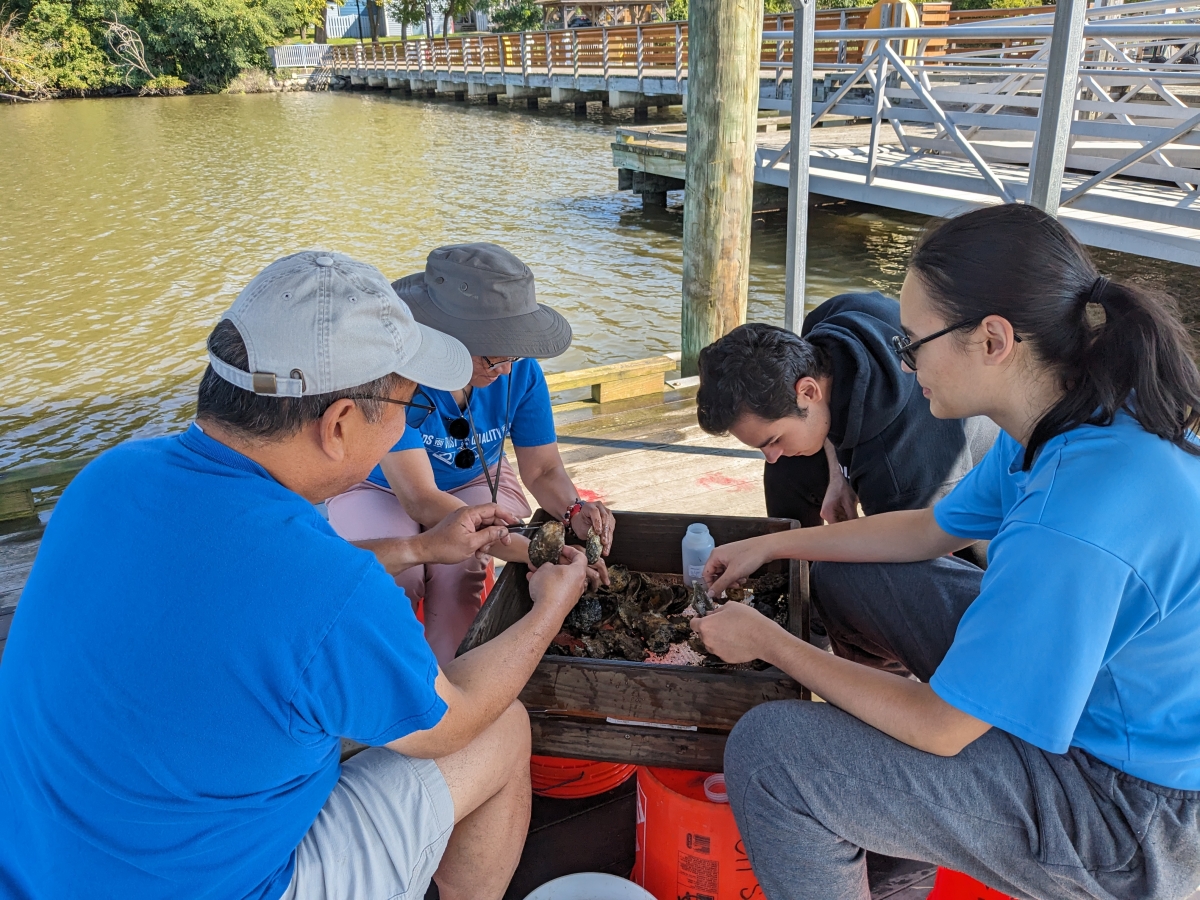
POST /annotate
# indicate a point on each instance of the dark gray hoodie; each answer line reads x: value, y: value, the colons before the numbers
x: 895, y: 453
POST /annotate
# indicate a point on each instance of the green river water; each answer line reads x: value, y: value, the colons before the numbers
x: 127, y: 226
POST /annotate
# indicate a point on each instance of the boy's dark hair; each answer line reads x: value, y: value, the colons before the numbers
x: 754, y: 369
x: 254, y: 416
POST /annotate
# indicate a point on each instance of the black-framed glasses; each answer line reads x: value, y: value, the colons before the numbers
x: 490, y: 363
x: 426, y: 410
x: 906, y: 347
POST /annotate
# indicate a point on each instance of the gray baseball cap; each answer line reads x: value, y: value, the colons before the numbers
x: 484, y: 296
x: 317, y: 321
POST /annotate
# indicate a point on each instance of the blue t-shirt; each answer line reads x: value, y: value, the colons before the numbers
x: 526, y: 417
x: 192, y: 642
x: 1087, y: 629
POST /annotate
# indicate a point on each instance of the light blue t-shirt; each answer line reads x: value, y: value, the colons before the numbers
x: 526, y: 417
x: 193, y: 641
x: 1087, y: 629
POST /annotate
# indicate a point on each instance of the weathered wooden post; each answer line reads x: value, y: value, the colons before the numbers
x: 803, y: 36
x: 1060, y: 85
x: 724, y: 44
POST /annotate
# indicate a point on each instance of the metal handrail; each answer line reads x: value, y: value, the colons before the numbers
x: 1131, y: 31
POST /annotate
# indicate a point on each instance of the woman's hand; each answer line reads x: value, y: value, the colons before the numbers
x: 736, y: 632
x: 840, y: 503
x: 596, y: 516
x: 732, y: 564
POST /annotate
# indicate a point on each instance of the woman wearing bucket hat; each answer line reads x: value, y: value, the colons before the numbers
x: 454, y: 455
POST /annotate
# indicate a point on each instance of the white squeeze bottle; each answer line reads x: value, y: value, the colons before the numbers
x: 697, y: 546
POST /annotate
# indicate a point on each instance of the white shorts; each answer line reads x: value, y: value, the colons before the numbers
x: 380, y: 835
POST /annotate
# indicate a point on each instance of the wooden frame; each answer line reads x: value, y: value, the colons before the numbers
x: 570, y: 701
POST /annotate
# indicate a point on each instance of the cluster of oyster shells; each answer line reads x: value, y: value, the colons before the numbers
x: 547, y: 544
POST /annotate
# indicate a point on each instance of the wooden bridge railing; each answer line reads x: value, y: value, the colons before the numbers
x: 657, y: 50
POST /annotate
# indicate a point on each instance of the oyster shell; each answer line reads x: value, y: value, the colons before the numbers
x: 701, y: 602
x: 618, y: 578
x: 622, y: 643
x: 592, y: 547
x: 547, y: 544
x: 657, y: 631
x: 586, y: 614
x: 771, y: 583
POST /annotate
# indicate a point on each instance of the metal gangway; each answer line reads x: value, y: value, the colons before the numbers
x: 1098, y: 125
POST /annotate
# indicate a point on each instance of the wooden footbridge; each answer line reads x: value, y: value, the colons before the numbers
x: 633, y: 66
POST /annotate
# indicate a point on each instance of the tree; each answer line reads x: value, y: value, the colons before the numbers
x: 19, y: 69
x: 67, y: 38
x: 521, y: 15
x: 210, y: 41
x: 309, y: 12
x: 406, y: 12
x: 454, y: 9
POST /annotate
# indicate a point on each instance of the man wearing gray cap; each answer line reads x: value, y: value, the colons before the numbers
x: 194, y: 640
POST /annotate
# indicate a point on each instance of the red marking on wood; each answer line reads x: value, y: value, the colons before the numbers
x: 590, y: 496
x: 715, y: 480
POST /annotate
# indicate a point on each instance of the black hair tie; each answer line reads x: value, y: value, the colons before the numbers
x: 1096, y: 294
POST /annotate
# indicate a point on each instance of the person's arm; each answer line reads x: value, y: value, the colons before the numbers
x: 902, y: 536
x: 542, y: 471
x: 411, y: 478
x: 907, y: 710
x: 479, y: 685
x: 840, y: 503
x: 466, y: 532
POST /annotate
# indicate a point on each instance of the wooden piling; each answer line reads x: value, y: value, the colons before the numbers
x: 725, y: 40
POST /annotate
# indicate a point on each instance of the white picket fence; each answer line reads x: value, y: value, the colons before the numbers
x: 301, y: 56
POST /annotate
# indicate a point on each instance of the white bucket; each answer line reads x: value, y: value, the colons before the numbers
x: 590, y: 886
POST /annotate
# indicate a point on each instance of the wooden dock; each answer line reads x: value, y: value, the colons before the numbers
x: 955, y: 116
x: 1133, y: 216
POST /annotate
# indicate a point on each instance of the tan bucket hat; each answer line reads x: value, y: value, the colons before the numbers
x: 484, y: 296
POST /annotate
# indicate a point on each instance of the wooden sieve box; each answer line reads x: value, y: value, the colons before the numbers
x: 570, y: 700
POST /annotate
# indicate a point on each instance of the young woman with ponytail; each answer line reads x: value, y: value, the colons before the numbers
x: 1048, y: 741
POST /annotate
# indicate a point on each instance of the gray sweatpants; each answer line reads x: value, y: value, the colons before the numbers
x: 813, y: 787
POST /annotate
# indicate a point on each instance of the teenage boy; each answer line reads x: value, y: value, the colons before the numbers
x: 195, y: 640
x: 838, y: 420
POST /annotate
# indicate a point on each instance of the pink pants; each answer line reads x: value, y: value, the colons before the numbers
x: 452, y: 594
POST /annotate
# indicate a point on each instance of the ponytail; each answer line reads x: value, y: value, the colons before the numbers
x: 1113, y: 346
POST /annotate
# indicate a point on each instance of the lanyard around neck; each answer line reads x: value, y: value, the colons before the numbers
x: 493, y: 486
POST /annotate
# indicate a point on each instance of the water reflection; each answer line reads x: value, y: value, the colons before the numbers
x: 126, y: 226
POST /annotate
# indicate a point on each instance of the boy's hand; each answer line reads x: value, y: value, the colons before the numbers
x: 731, y: 564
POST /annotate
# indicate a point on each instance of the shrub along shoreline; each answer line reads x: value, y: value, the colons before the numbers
x: 84, y: 48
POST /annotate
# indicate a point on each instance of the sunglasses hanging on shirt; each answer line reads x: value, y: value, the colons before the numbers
x: 463, y: 427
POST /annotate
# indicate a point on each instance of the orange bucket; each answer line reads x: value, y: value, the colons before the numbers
x: 951, y: 885
x: 687, y: 842
x: 560, y: 777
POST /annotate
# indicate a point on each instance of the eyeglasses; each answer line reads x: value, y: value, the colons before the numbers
x: 409, y: 403
x: 906, y: 347
x: 490, y: 363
